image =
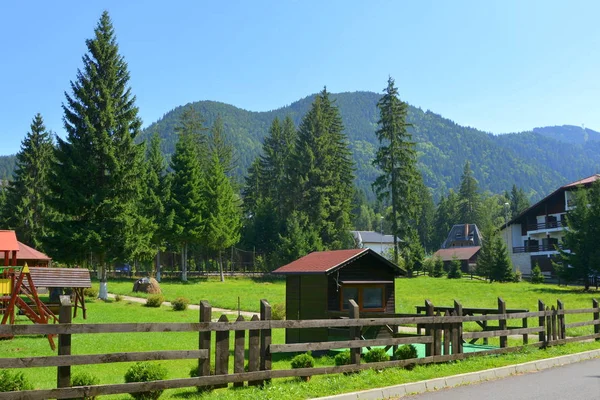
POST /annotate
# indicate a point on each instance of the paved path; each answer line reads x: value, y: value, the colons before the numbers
x: 191, y: 306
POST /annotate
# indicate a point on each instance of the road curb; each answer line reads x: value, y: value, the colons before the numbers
x: 465, y: 379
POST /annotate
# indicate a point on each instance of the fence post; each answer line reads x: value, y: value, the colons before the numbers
x: 222, y: 352
x: 502, y: 321
x: 447, y: 328
x: 265, y: 338
x: 238, y: 352
x: 63, y: 374
x: 596, y: 319
x: 353, y: 313
x: 549, y: 334
x: 254, y: 351
x: 542, y: 322
x: 554, y: 324
x: 204, y: 339
x: 458, y: 310
x: 439, y: 330
x: 561, y: 320
x: 429, y: 331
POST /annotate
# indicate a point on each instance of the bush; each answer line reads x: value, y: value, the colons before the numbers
x: 536, y: 274
x: 180, y: 304
x: 146, y: 372
x: 305, y: 360
x: 342, y: 358
x: 91, y: 292
x: 84, y: 379
x: 376, y: 355
x: 438, y: 267
x: 13, y: 381
x: 405, y: 352
x: 455, y: 271
x: 518, y: 276
x: 278, y: 311
x: 118, y: 298
x: 155, y: 300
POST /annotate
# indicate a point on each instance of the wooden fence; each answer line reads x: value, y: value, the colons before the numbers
x: 443, y: 337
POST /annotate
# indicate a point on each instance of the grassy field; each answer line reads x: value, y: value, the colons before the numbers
x: 409, y: 293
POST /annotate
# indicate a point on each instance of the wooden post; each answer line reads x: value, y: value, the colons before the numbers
x: 63, y: 375
x: 554, y: 324
x: 429, y: 331
x: 254, y: 351
x: 542, y: 322
x: 438, y: 329
x: 265, y: 338
x: 549, y: 334
x: 562, y: 334
x: 222, y: 351
x: 458, y: 310
x: 525, y: 335
x: 204, y: 339
x: 238, y: 353
x: 596, y: 319
x: 353, y: 313
x: 502, y: 322
x: 447, y: 335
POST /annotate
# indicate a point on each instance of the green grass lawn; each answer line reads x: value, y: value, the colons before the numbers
x: 410, y: 292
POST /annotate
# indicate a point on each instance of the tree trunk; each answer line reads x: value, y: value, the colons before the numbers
x: 184, y: 263
x: 221, y: 267
x: 103, y: 292
x: 157, y: 263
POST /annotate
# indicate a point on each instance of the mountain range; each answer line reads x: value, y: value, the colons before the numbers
x: 538, y: 161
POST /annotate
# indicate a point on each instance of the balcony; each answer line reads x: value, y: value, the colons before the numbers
x: 546, y: 225
x: 537, y: 248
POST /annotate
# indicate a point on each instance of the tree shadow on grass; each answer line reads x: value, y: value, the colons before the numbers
x: 566, y: 290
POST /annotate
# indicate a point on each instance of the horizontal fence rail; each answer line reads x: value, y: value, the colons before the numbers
x: 440, y: 329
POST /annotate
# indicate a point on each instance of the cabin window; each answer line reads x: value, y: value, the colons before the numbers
x: 369, y: 297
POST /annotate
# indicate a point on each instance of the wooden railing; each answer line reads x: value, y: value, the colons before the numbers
x: 536, y: 248
x: 546, y: 225
x: 443, y: 338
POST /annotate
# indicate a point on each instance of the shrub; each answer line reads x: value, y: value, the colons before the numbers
x: 90, y: 292
x: 155, y: 300
x: 405, y: 352
x: 455, y: 272
x: 278, y: 311
x: 180, y: 304
x: 146, y: 372
x: 438, y: 267
x: 13, y: 381
x: 84, y: 379
x: 536, y: 274
x: 305, y: 360
x: 518, y: 276
x: 342, y: 358
x: 376, y: 355
x: 118, y: 297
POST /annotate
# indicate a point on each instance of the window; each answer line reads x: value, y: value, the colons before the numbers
x: 369, y: 297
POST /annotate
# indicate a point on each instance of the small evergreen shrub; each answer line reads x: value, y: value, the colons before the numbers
x: 84, y: 379
x: 376, y: 355
x: 155, y: 300
x: 405, y: 352
x: 342, y: 358
x: 438, y: 267
x: 146, y: 372
x: 305, y: 360
x: 13, y: 381
x: 518, y: 276
x: 455, y: 271
x: 278, y: 311
x: 536, y: 274
x: 91, y: 292
x: 180, y: 304
x: 118, y: 298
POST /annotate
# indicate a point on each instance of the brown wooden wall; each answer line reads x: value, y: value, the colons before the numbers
x: 306, y: 298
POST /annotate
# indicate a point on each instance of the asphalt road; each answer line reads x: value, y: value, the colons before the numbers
x: 571, y: 382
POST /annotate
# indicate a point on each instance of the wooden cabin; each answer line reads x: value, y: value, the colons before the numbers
x: 320, y: 285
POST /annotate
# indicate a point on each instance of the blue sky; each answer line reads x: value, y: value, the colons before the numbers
x: 499, y: 66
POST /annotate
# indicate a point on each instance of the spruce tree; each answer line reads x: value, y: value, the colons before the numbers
x: 502, y: 270
x: 222, y: 212
x: 187, y: 203
x: 96, y: 176
x: 468, y: 197
x: 455, y: 271
x: 219, y: 145
x: 397, y: 159
x: 486, y: 256
x: 26, y: 209
x: 518, y: 201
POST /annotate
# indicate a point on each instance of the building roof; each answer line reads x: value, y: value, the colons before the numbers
x: 584, y: 181
x: 461, y: 253
x: 372, y: 237
x: 29, y: 253
x: 8, y: 241
x: 323, y: 262
x: 463, y: 235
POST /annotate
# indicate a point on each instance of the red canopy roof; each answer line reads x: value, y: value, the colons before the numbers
x: 8, y: 241
x: 319, y: 261
x: 461, y: 253
x: 29, y: 253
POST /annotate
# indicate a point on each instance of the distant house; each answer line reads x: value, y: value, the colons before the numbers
x: 463, y: 243
x: 373, y: 240
x: 534, y: 235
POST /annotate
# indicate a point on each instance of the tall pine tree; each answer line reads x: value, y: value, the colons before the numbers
x: 468, y: 197
x: 397, y: 159
x: 96, y: 177
x: 26, y: 208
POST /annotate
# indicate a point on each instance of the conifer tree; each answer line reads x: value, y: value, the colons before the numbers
x: 502, y: 270
x: 468, y: 197
x: 455, y: 271
x: 222, y: 212
x: 298, y: 239
x: 220, y: 145
x: 26, y: 208
x: 397, y: 159
x: 96, y: 177
x: 518, y: 201
x: 486, y: 256
x: 187, y: 203
x: 322, y: 180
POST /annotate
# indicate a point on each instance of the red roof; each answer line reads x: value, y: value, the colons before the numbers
x: 8, y: 241
x: 29, y: 253
x: 461, y: 253
x: 320, y: 261
x: 584, y: 181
